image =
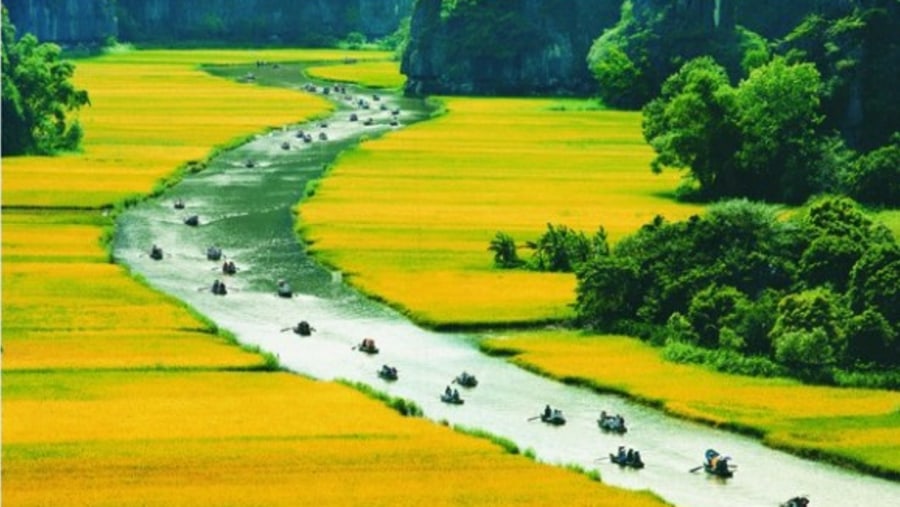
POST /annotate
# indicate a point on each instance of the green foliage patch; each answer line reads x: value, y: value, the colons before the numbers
x: 744, y: 291
x: 38, y: 97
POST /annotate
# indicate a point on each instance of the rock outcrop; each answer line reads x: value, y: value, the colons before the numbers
x: 514, y: 47
x: 306, y: 22
x: 65, y: 22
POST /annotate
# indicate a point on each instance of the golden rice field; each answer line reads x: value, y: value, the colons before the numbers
x: 409, y: 217
x: 232, y: 438
x: 852, y: 425
x: 151, y: 112
x: 66, y: 307
x: 375, y: 74
x: 113, y: 394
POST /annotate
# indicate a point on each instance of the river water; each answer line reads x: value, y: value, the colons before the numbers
x: 246, y: 211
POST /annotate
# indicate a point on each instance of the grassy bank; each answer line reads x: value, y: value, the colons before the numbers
x: 114, y: 394
x: 853, y: 427
x: 410, y: 216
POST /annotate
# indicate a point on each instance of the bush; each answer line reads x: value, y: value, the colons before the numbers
x: 560, y: 249
x: 726, y: 361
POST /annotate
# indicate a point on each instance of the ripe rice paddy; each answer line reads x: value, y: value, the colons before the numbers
x: 151, y: 112
x: 384, y: 74
x: 409, y: 217
x: 856, y: 426
x: 232, y: 438
x: 116, y: 395
x: 66, y: 307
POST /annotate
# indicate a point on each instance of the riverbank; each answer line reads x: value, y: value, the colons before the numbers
x: 115, y: 394
x: 855, y: 428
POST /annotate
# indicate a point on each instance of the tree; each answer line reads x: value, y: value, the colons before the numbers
x: 504, y: 248
x: 872, y: 339
x: 689, y: 126
x: 839, y: 216
x: 561, y: 249
x: 809, y: 350
x: 38, y: 97
x: 609, y: 289
x: 756, y: 140
x: 875, y: 281
x: 828, y: 260
x: 713, y: 309
x: 809, y: 328
x: 875, y: 177
x: 777, y: 115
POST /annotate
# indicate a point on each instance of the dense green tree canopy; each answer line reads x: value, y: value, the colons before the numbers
x: 806, y: 295
x: 757, y: 139
x: 38, y: 96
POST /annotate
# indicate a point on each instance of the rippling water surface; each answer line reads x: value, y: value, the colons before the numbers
x: 246, y: 211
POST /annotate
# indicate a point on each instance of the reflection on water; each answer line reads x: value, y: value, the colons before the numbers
x: 246, y: 211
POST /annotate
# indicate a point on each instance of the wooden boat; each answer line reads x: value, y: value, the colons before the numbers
x: 229, y: 268
x: 555, y: 418
x: 213, y: 253
x: 718, y: 471
x: 368, y: 346
x: 466, y: 380
x: 717, y: 465
x: 623, y: 461
x: 388, y: 373
x: 303, y: 328
x: 284, y: 289
x: 612, y: 423
x: 249, y: 164
x: 285, y: 145
x: 178, y: 204
x: 218, y: 288
x: 192, y: 221
x: 452, y: 398
x: 156, y: 253
x: 797, y: 501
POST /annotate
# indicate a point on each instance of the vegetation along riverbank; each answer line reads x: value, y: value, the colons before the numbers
x: 115, y: 394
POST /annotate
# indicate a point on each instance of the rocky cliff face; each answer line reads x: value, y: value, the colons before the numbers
x: 775, y: 18
x: 314, y: 22
x: 518, y: 47
x: 259, y: 21
x: 66, y: 22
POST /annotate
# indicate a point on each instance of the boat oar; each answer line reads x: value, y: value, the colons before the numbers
x: 695, y: 469
x: 598, y: 460
x: 533, y: 418
x: 285, y: 329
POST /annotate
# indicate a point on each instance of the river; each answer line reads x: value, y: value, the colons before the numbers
x: 246, y: 211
